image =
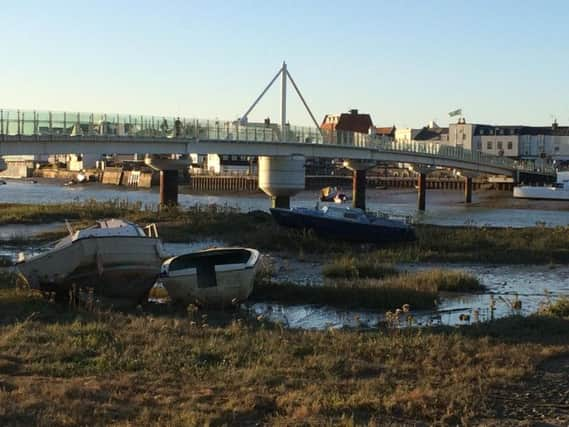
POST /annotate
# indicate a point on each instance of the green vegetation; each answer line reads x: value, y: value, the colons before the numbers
x: 74, y: 367
x: 539, y: 245
x: 348, y: 294
x: 536, y: 245
x: 350, y: 267
x: 559, y: 308
x: 419, y: 290
x: 437, y: 280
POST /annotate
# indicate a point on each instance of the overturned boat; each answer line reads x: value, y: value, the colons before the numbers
x: 115, y: 258
x: 350, y: 224
x: 211, y: 278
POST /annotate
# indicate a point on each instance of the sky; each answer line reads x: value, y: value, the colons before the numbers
x: 404, y: 62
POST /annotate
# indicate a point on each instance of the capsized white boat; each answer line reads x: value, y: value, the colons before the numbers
x: 211, y: 278
x: 116, y: 258
x: 557, y: 191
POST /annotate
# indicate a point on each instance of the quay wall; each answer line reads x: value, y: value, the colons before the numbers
x: 207, y: 183
x: 249, y: 183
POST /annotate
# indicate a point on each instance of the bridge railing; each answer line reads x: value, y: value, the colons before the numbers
x: 75, y: 124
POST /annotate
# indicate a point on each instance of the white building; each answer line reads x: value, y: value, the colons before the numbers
x: 406, y: 134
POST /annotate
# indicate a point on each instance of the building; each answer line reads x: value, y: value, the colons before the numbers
x: 387, y: 133
x: 405, y: 135
x: 352, y: 121
x: 548, y: 143
x: 231, y: 165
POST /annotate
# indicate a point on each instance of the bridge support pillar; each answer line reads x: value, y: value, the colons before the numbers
x: 282, y: 202
x: 359, y: 189
x: 422, y: 191
x: 168, y: 187
x: 281, y: 177
x: 359, y: 168
x: 468, y: 185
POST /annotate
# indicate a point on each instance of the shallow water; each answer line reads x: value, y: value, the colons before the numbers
x: 533, y: 285
x: 26, y: 231
x: 444, y: 207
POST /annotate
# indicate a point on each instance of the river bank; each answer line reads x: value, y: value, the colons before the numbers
x: 271, y: 363
x: 444, y: 207
x: 301, y: 259
x: 72, y: 366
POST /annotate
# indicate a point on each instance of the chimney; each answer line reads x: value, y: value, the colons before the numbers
x: 354, y: 112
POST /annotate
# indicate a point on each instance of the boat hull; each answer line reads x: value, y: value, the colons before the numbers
x: 541, y: 193
x: 206, y: 281
x: 114, y: 267
x: 390, y: 231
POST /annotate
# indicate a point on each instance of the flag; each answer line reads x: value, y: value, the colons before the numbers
x: 455, y: 112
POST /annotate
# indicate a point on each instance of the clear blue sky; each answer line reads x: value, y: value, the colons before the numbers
x: 405, y: 62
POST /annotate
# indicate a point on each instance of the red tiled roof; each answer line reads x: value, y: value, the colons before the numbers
x: 387, y: 131
x: 354, y: 122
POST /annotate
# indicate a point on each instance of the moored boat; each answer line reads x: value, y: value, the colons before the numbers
x: 345, y: 224
x: 115, y: 258
x: 557, y: 191
x: 333, y: 194
x: 211, y: 278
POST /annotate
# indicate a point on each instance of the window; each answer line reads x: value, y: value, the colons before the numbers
x: 510, y: 145
x: 463, y: 136
x: 500, y: 145
x: 489, y: 145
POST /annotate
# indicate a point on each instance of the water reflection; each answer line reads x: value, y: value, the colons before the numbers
x: 531, y: 285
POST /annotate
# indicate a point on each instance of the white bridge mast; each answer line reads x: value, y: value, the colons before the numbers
x: 284, y: 74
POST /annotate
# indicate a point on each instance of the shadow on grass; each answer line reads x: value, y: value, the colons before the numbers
x: 536, y: 328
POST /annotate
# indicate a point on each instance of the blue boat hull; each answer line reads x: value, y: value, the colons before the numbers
x: 389, y: 231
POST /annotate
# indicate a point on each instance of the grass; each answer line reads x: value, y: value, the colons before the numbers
x: 536, y: 245
x: 370, y: 294
x: 437, y: 280
x: 559, y: 308
x: 419, y: 290
x: 73, y: 367
x: 350, y: 267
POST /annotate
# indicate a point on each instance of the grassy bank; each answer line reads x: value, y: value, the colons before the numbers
x: 370, y: 294
x: 419, y: 290
x: 536, y: 245
x: 350, y: 267
x: 62, y: 368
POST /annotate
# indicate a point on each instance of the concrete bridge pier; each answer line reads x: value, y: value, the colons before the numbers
x: 281, y: 177
x: 468, y: 189
x: 468, y: 185
x: 359, y: 169
x: 168, y: 187
x: 282, y: 202
x: 168, y: 168
x: 422, y: 172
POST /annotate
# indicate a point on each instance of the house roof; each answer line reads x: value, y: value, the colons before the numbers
x: 354, y: 122
x: 387, y: 131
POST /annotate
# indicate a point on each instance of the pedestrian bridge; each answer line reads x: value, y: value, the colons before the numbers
x: 44, y: 133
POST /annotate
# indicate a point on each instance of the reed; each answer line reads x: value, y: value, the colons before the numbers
x: 437, y: 280
x: 369, y: 294
x: 350, y: 267
x: 558, y: 308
